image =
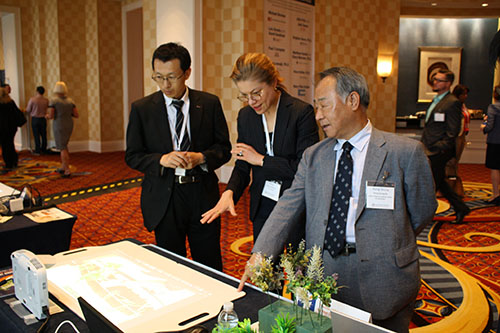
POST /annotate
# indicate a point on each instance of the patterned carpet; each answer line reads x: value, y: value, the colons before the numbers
x: 460, y: 263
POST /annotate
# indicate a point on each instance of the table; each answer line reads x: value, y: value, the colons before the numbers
x: 246, y: 307
x: 7, y: 190
x: 40, y: 238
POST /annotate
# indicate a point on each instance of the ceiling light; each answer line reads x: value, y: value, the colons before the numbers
x: 484, y: 4
x: 434, y: 4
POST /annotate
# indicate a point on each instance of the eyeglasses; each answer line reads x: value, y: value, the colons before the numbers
x: 255, y: 96
x: 158, y: 78
x: 439, y: 80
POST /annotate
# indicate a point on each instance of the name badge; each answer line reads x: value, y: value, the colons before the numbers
x: 272, y: 189
x: 180, y: 172
x: 439, y: 117
x: 379, y: 196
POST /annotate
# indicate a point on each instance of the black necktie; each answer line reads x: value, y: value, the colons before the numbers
x: 179, y: 121
x: 342, y: 189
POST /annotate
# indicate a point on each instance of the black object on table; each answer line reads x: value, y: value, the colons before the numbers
x: 40, y: 238
x: 246, y: 307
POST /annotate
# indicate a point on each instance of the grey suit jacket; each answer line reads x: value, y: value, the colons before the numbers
x: 385, y: 239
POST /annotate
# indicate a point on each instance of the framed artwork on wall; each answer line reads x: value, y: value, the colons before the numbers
x: 432, y: 58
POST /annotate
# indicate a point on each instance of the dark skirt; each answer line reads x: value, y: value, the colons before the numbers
x: 493, y: 156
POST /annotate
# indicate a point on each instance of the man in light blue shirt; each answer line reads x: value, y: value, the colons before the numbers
x: 442, y: 127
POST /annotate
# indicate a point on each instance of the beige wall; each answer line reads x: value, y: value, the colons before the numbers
x: 80, y: 42
x: 352, y: 33
x: 2, y: 65
x: 71, y: 40
x: 232, y: 27
x: 111, y: 69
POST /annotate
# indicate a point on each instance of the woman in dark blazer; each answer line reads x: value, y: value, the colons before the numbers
x: 492, y: 128
x: 274, y: 129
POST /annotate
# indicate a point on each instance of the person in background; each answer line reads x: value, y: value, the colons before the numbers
x: 62, y: 109
x: 491, y: 126
x: 37, y: 108
x: 372, y: 248
x: 9, y: 121
x: 178, y: 137
x: 443, y: 123
x: 274, y: 129
x: 7, y: 87
x: 461, y: 92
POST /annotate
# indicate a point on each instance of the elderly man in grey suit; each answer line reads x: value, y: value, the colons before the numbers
x: 369, y: 238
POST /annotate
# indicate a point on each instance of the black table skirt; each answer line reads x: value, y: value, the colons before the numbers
x: 40, y: 238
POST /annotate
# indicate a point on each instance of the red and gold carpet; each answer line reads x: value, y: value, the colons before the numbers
x: 460, y: 264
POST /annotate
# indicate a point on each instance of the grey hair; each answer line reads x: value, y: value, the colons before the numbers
x: 348, y: 80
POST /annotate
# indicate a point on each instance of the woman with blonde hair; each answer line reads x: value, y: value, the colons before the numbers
x: 62, y: 109
x: 274, y: 129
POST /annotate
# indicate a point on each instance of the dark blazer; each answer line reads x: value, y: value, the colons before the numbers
x: 439, y: 136
x: 148, y: 138
x: 295, y: 130
x: 388, y: 266
x: 492, y: 127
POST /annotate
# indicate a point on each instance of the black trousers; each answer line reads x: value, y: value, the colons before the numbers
x: 39, y: 127
x: 9, y: 153
x: 438, y: 166
x: 182, y: 220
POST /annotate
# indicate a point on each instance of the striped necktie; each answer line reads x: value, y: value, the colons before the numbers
x: 179, y: 121
x: 342, y: 191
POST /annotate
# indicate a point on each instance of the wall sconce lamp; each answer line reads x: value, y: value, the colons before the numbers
x: 384, y: 66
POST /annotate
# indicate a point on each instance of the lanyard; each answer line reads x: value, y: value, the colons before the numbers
x: 184, y: 131
x: 178, y: 140
x: 269, y: 142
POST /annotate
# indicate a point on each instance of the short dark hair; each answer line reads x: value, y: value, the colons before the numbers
x: 171, y: 51
x: 348, y: 80
x: 460, y: 89
x: 450, y: 76
x: 496, y: 93
x: 41, y: 90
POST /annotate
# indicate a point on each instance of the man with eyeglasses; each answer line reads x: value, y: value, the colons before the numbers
x: 177, y: 137
x: 366, y: 195
x: 443, y: 122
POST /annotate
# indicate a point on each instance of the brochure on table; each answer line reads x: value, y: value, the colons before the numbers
x: 137, y: 289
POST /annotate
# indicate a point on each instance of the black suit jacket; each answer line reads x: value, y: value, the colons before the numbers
x: 439, y: 136
x: 148, y: 138
x: 295, y: 130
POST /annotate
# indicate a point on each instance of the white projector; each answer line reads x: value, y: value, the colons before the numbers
x: 30, y: 282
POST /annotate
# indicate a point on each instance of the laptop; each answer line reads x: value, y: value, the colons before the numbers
x: 96, y: 322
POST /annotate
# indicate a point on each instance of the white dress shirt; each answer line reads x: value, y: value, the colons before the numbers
x: 172, y: 116
x: 358, y: 153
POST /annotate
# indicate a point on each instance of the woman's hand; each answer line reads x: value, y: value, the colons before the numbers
x: 225, y: 204
x: 247, y: 153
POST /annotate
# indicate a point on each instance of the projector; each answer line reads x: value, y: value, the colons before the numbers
x: 30, y: 282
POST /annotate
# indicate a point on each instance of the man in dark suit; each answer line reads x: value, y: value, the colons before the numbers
x: 177, y: 137
x: 442, y: 127
x: 377, y: 260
